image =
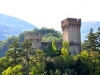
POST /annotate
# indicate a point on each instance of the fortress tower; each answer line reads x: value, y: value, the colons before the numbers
x: 71, y: 33
x: 35, y: 38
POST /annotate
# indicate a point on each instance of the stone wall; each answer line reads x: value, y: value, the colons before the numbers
x: 45, y: 45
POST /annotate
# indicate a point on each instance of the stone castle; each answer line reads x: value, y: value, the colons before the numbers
x: 71, y: 33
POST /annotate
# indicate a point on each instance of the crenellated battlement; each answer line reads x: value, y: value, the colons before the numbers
x: 71, y: 22
x: 33, y: 36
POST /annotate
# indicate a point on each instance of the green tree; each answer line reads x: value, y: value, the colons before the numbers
x: 60, y: 63
x: 50, y: 34
x: 26, y: 52
x: 65, y: 49
x: 4, y: 63
x: 35, y: 30
x: 91, y: 42
x: 49, y: 66
x: 13, y: 51
x: 38, y: 69
x: 80, y: 68
x: 39, y: 64
x: 16, y: 70
x: 52, y: 50
x: 98, y: 37
x: 39, y: 56
x: 54, y: 46
x: 85, y: 63
x: 57, y: 72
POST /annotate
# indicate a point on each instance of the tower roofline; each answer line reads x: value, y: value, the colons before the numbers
x: 71, y: 20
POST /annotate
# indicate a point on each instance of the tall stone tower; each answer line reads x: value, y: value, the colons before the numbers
x: 71, y: 33
x: 35, y: 38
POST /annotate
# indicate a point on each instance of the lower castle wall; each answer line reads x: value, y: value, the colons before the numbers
x: 36, y: 45
x: 74, y: 48
x: 45, y: 45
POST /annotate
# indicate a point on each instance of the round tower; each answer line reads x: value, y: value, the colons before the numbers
x: 71, y: 33
x: 35, y: 38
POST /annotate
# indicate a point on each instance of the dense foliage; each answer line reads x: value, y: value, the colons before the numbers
x: 23, y: 59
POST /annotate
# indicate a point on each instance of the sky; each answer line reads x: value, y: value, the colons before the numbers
x: 50, y: 13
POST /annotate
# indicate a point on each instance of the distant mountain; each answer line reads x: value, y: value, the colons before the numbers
x: 12, y: 26
x: 86, y: 26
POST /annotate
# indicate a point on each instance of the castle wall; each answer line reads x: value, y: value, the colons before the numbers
x: 45, y: 45
x: 71, y: 33
x: 36, y: 44
x: 74, y: 47
x: 65, y: 35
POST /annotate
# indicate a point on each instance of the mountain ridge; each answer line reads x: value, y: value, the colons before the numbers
x: 13, y: 26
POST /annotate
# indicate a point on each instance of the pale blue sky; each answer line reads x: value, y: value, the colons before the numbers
x: 49, y: 13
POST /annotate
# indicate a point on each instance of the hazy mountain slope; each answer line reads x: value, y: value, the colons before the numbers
x: 12, y: 26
